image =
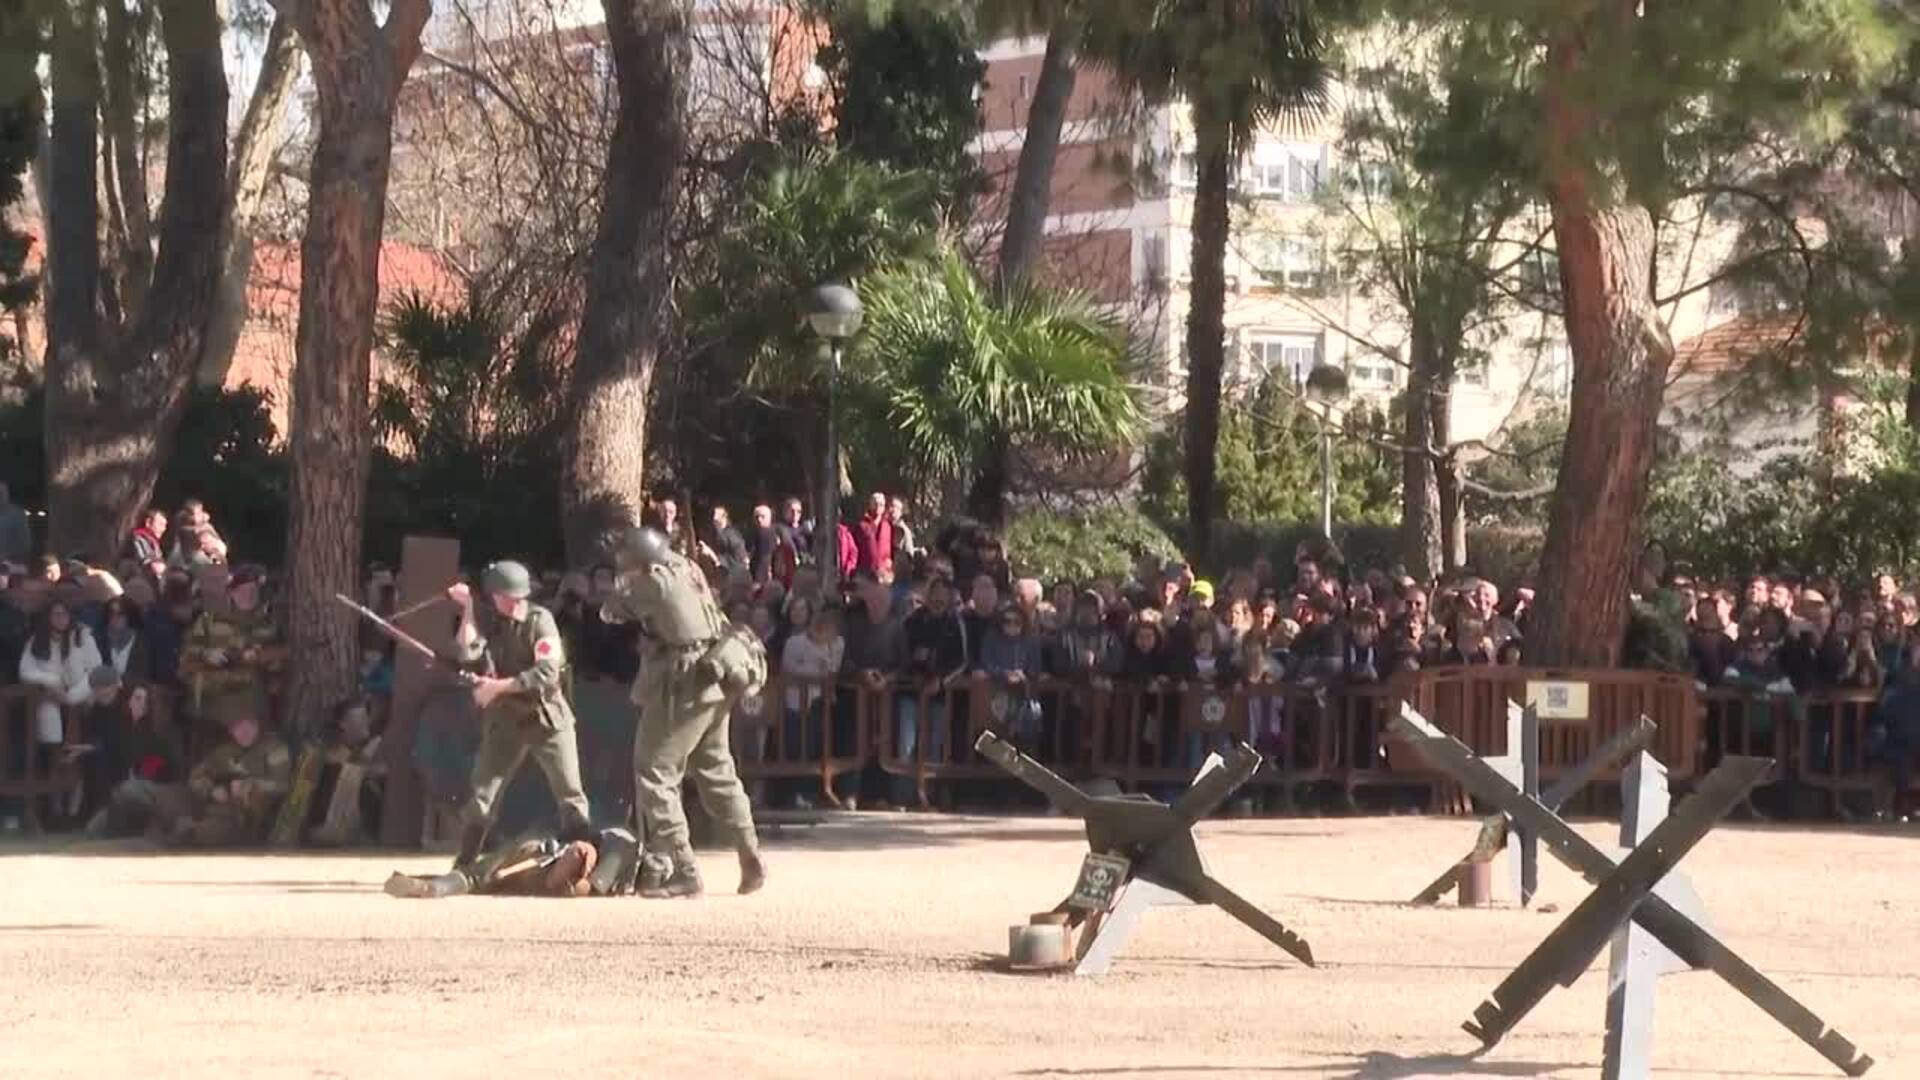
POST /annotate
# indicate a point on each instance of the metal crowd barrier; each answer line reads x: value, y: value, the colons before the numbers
x: 23, y: 775
x: 821, y: 734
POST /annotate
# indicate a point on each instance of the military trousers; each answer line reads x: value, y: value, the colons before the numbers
x: 671, y: 743
x: 504, y: 744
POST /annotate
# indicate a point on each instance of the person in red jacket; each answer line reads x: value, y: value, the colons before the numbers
x: 147, y: 550
x: 875, y: 536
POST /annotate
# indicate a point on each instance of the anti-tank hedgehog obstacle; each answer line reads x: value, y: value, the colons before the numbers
x: 1637, y: 903
x: 1142, y: 854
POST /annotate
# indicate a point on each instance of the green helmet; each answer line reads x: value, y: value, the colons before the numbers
x: 643, y: 547
x: 509, y: 578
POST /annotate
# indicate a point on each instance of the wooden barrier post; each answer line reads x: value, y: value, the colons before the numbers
x: 428, y: 564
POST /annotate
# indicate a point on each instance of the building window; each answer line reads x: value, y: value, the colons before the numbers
x: 1373, y: 373
x: 1290, y: 172
x: 1472, y: 371
x: 1553, y: 376
x: 1290, y: 261
x: 1186, y: 170
x: 1372, y: 179
x: 1153, y: 259
x: 1291, y: 356
x: 1025, y: 86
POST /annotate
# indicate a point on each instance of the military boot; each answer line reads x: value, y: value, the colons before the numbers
x: 753, y: 872
x: 473, y: 840
x: 662, y: 881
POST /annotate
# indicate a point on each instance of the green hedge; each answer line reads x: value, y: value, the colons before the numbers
x: 1054, y: 546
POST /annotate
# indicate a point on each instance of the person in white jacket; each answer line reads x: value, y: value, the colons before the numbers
x: 58, y: 658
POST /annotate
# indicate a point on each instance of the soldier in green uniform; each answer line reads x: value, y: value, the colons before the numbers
x: 523, y: 705
x: 236, y: 788
x: 228, y: 655
x: 694, y: 665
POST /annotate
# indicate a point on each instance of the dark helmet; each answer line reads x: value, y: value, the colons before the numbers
x: 643, y: 547
x: 509, y: 579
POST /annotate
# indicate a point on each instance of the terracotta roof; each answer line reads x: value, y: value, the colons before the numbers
x: 1733, y: 343
x: 274, y: 289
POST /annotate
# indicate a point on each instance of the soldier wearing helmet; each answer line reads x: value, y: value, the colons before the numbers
x: 516, y: 646
x: 694, y: 666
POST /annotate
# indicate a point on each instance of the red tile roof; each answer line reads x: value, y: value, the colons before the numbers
x: 274, y: 290
x: 1734, y: 343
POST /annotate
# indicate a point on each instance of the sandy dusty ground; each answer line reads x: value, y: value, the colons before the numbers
x: 871, y: 956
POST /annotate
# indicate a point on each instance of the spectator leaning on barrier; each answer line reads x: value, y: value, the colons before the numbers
x: 876, y: 643
x: 145, y: 760
x: 122, y: 644
x: 937, y: 659
x: 59, y: 659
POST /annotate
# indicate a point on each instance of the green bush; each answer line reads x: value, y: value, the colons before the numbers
x: 1080, y: 547
x: 1269, y: 464
x: 1795, y: 515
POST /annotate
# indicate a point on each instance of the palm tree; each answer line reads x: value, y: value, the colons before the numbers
x: 958, y: 374
x: 1064, y: 24
x: 807, y: 218
x: 1239, y: 64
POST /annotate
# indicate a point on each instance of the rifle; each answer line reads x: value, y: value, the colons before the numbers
x: 432, y: 656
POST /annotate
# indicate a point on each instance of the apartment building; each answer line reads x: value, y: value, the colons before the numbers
x: 1118, y: 228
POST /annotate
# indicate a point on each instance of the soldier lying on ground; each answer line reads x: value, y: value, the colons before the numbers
x: 540, y: 866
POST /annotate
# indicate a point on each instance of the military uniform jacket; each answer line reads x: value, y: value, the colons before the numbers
x: 530, y: 653
x: 267, y: 762
x: 231, y: 632
x: 681, y: 626
x: 672, y: 604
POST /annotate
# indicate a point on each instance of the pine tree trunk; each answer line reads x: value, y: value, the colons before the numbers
x: 247, y: 176
x: 111, y: 413
x: 1206, y: 330
x: 1026, y: 229
x: 624, y: 326
x: 73, y: 375
x: 1620, y: 358
x: 1621, y: 353
x: 1420, y: 524
x: 358, y: 70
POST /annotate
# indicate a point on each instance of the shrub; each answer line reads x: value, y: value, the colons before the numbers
x: 1080, y: 547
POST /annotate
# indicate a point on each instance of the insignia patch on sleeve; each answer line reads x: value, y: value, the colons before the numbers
x: 544, y: 649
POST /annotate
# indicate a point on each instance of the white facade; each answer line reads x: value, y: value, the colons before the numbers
x: 1287, y: 305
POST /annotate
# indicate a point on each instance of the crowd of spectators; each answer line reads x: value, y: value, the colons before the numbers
x: 156, y: 675
x: 916, y: 610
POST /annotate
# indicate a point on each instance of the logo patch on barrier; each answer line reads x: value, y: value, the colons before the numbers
x: 1100, y: 879
x: 1213, y: 711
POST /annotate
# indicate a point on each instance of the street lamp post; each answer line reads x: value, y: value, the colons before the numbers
x: 835, y: 315
x: 1326, y: 387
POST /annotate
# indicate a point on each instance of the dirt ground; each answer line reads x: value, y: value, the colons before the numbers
x: 871, y: 954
